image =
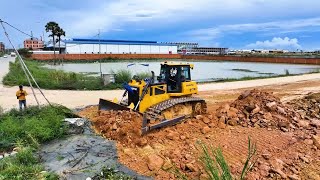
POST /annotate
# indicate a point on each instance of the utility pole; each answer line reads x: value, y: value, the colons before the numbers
x: 100, y: 53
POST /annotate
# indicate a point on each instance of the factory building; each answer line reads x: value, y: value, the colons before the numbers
x: 207, y: 50
x: 96, y: 46
x: 183, y: 47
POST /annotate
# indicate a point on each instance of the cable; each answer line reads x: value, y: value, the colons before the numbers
x: 1, y: 21
x: 20, y: 59
x: 25, y: 69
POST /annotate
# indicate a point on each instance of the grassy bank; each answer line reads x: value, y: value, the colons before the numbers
x: 54, y: 79
x: 26, y: 131
x: 31, y: 126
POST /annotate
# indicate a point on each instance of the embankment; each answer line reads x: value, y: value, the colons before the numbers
x: 290, y: 60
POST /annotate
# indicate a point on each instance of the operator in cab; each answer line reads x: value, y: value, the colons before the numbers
x: 21, y: 96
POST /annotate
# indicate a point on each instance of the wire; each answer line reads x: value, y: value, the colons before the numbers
x: 1, y: 21
x: 25, y: 68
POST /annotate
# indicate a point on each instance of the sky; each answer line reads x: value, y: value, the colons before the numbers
x: 235, y: 24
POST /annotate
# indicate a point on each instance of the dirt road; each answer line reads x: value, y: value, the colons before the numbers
x: 77, y: 99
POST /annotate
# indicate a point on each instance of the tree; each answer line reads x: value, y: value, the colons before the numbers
x: 60, y: 32
x: 24, y: 52
x: 52, y: 27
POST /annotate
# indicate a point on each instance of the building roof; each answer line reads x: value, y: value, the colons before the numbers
x: 107, y: 41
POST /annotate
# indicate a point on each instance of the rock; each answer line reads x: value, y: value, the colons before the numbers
x: 255, y: 110
x: 190, y: 167
x: 284, y: 124
x: 266, y: 156
x: 294, y: 177
x: 154, y: 162
x: 167, y: 164
x: 281, y: 110
x: 316, y: 141
x: 188, y: 157
x: 303, y: 158
x: 114, y: 126
x: 142, y: 142
x: 225, y: 108
x: 210, y: 117
x: 232, y: 113
x: 315, y: 123
x: 199, y: 117
x: 221, y: 125
x: 206, y: 120
x: 128, y: 151
x: 173, y: 136
x: 264, y: 169
x: 303, y: 124
x: 232, y: 122
x: 308, y: 141
x: 205, y: 130
x: 182, y: 137
x: 250, y: 108
x: 244, y: 95
x: 271, y: 104
x: 280, y: 172
x: 268, y: 116
x: 277, y: 164
x: 284, y: 129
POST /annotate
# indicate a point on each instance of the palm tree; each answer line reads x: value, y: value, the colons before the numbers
x: 52, y: 27
x: 60, y: 32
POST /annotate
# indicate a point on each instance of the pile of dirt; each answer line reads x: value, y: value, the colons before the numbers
x: 123, y: 126
x: 257, y: 108
x: 308, y: 107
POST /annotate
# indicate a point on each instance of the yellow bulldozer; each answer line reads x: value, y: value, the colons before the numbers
x: 163, y: 101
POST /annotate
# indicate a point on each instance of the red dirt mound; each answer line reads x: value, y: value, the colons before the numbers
x: 257, y: 108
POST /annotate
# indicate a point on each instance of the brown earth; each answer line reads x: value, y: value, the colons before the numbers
x: 291, y: 152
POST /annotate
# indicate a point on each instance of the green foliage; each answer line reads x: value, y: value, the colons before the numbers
x: 216, y: 166
x: 214, y: 163
x: 53, y: 79
x: 25, y: 52
x: 111, y: 174
x: 252, y: 150
x: 144, y: 75
x: 31, y: 126
x: 122, y: 76
x: 24, y: 165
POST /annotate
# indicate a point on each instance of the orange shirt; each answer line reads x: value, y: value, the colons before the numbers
x: 21, y: 94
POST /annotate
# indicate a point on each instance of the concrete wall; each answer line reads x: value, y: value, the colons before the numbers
x: 178, y: 56
x: 100, y: 56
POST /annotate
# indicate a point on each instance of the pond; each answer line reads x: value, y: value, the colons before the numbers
x: 203, y: 70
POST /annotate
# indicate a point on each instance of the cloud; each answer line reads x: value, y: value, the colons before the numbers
x: 161, y: 13
x: 274, y: 27
x: 276, y: 43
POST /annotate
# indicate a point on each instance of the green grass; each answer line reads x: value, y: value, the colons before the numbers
x: 31, y: 126
x: 24, y: 165
x: 53, y: 79
x: 244, y: 70
x: 26, y: 130
x: 215, y: 165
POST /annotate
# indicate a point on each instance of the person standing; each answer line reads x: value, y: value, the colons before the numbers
x: 21, y: 95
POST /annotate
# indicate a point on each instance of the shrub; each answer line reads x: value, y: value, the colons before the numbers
x: 122, y: 76
x: 32, y: 125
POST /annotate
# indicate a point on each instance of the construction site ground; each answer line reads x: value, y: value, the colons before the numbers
x: 280, y: 153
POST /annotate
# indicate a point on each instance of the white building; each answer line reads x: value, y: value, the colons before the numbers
x: 95, y: 46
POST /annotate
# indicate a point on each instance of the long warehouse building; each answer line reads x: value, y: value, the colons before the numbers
x: 96, y: 46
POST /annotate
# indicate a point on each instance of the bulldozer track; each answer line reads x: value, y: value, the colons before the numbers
x: 154, y: 112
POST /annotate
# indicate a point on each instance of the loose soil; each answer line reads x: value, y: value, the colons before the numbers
x: 287, y: 143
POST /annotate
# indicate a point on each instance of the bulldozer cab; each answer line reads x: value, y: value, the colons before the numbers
x: 174, y: 75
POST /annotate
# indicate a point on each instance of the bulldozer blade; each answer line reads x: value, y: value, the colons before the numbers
x: 145, y: 128
x: 109, y: 105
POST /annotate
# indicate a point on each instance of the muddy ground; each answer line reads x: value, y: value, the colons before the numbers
x: 284, y: 150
